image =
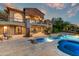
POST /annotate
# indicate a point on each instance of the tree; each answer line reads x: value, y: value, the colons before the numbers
x: 57, y: 24
x: 66, y: 26
x: 3, y: 15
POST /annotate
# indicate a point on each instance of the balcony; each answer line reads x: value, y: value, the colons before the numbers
x: 2, y: 22
x: 38, y: 23
x: 21, y: 23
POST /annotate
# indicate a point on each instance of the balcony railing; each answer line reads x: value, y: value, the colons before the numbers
x: 39, y: 23
x: 32, y: 22
x: 13, y: 22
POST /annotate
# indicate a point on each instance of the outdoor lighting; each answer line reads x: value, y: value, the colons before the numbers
x: 27, y: 17
x: 5, y: 28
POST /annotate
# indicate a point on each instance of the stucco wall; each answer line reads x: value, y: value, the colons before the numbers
x: 14, y: 14
x: 11, y: 30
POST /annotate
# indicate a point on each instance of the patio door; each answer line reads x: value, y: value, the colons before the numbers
x: 18, y: 30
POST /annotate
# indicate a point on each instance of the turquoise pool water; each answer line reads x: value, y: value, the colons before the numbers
x: 68, y: 37
x: 60, y: 37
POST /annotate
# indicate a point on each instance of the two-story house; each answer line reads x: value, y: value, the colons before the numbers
x: 15, y: 21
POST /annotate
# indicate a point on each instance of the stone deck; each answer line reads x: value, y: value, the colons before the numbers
x: 22, y: 47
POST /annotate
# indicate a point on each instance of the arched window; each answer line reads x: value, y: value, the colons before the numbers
x: 18, y: 17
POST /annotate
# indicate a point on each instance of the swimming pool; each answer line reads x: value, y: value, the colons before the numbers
x: 59, y: 37
x: 43, y: 40
x: 69, y: 44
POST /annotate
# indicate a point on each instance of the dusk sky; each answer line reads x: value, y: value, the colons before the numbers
x: 69, y: 12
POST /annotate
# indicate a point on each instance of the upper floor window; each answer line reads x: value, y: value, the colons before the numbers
x: 18, y: 17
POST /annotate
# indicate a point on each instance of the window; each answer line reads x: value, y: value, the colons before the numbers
x: 18, y: 17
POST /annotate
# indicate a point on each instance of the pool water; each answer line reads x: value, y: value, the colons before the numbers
x: 42, y: 40
x: 59, y: 37
x: 69, y: 37
x: 69, y: 44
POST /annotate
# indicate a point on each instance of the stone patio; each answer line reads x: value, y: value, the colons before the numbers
x: 22, y: 47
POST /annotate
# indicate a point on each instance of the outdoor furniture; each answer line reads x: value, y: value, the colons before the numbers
x: 70, y: 47
x: 6, y: 36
